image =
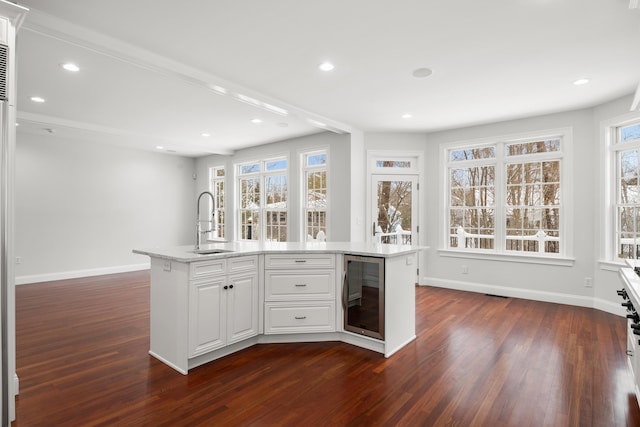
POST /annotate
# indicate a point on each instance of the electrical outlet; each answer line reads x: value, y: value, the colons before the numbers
x: 588, y: 282
x: 18, y: 260
x: 465, y: 269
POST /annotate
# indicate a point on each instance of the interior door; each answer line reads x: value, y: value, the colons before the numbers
x: 395, y: 209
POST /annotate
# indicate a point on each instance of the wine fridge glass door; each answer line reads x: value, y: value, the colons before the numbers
x: 363, y: 295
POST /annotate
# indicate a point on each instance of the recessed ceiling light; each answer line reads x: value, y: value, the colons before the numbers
x: 582, y: 81
x: 326, y: 66
x: 256, y: 121
x: 70, y: 67
x: 205, y: 134
x: 283, y: 124
x: 406, y: 116
x: 37, y: 99
x: 159, y: 147
x: 422, y: 72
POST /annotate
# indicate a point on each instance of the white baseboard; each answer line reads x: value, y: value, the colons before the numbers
x: 63, y: 275
x: 531, y: 294
x: 609, y: 307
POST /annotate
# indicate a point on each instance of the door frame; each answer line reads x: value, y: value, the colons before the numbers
x: 415, y: 166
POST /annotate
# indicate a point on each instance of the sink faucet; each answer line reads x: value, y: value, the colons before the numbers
x: 199, y: 231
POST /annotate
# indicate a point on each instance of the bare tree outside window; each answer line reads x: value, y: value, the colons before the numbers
x: 529, y: 194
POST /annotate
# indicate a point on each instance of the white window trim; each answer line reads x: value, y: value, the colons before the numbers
x: 262, y: 174
x: 212, y: 177
x: 417, y: 168
x: 303, y: 189
x: 608, y: 261
x: 566, y: 224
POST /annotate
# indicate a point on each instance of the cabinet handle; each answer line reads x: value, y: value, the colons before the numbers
x: 300, y: 260
x: 300, y: 317
x: 225, y: 287
x: 300, y: 285
x: 629, y: 353
x: 230, y: 286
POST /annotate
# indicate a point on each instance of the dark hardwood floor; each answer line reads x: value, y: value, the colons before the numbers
x: 478, y: 361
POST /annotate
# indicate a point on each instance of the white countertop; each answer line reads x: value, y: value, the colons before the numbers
x: 186, y: 254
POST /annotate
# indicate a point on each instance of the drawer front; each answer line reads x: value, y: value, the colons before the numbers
x: 243, y: 263
x: 299, y: 285
x: 299, y: 318
x: 207, y: 268
x: 300, y: 261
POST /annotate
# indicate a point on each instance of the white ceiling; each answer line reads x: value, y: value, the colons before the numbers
x: 151, y: 69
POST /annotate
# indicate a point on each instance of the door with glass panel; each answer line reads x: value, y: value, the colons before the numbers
x: 395, y: 209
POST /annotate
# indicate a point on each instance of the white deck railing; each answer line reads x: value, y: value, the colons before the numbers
x: 469, y: 238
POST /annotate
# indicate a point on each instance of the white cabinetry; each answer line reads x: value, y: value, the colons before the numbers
x: 223, y: 303
x: 202, y: 310
x: 300, y: 293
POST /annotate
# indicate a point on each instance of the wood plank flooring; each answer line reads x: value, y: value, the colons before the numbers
x: 478, y: 361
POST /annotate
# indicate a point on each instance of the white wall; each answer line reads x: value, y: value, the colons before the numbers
x: 81, y: 207
x: 565, y: 284
x: 606, y: 279
x: 338, y: 178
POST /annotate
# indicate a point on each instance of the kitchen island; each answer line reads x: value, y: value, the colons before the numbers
x: 225, y: 297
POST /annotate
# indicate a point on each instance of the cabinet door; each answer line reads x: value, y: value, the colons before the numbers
x: 207, y: 316
x: 242, y: 307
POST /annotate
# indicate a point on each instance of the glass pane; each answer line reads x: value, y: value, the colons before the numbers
x: 249, y: 224
x: 276, y: 226
x: 276, y: 192
x: 629, y: 133
x: 551, y: 171
x: 393, y: 164
x: 317, y: 190
x: 250, y: 193
x: 531, y: 219
x: 551, y: 219
x: 276, y: 165
x: 532, y: 172
x: 394, y: 205
x: 472, y: 153
x: 219, y: 172
x: 551, y: 194
x: 249, y: 168
x: 316, y: 222
x: 542, y: 146
x: 316, y: 159
x: 514, y: 173
x: 459, y: 177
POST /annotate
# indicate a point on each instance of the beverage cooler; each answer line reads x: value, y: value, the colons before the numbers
x: 363, y: 295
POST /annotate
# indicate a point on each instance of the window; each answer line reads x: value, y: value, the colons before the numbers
x: 216, y: 178
x: 314, y: 185
x: 263, y: 203
x: 626, y: 151
x: 505, y: 197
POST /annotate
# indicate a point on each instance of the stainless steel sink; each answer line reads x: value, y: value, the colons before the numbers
x: 210, y: 251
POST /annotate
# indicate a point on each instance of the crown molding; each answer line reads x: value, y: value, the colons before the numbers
x: 68, y: 32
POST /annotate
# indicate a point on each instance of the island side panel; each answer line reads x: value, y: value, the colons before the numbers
x: 169, y: 313
x: 400, y: 302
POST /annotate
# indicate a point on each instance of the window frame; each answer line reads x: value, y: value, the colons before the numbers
x: 220, y: 210
x: 613, y: 146
x: 304, y: 208
x: 499, y: 252
x: 262, y: 174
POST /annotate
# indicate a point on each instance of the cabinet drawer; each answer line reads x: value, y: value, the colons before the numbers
x: 207, y: 268
x: 243, y: 263
x: 300, y: 261
x: 282, y: 318
x: 299, y: 285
